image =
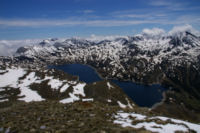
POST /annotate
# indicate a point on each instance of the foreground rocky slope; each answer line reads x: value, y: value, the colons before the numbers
x: 84, y: 117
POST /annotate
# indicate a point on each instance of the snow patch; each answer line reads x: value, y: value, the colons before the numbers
x: 79, y: 89
x: 74, y: 96
x: 129, y: 104
x: 3, y: 100
x: 29, y: 94
x: 88, y: 100
x: 189, y: 124
x: 55, y: 83
x: 11, y: 77
x: 121, y: 105
x: 13, y: 74
x: 64, y: 88
x: 109, y: 100
x: 126, y: 120
x: 109, y: 85
x: 3, y: 71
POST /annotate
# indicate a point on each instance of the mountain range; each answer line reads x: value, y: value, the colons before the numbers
x: 172, y: 60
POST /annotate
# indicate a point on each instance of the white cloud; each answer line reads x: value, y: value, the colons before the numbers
x: 189, y: 19
x: 87, y: 11
x: 176, y: 30
x: 9, y: 47
x: 127, y: 18
x: 101, y: 23
x: 134, y: 15
x: 35, y: 23
x: 180, y: 29
x: 160, y: 3
x: 98, y: 38
x: 169, y: 4
x: 153, y: 32
x: 4, y: 51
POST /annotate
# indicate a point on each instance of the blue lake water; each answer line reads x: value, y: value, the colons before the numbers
x: 142, y: 95
x: 85, y: 73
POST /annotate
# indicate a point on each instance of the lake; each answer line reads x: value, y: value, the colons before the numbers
x: 142, y: 95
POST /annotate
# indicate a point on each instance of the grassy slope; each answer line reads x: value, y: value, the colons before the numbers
x: 83, y: 117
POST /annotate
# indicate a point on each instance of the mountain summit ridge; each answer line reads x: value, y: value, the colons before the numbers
x: 143, y: 46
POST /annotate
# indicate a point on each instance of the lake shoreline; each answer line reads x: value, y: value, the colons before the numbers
x: 161, y: 102
x: 126, y: 81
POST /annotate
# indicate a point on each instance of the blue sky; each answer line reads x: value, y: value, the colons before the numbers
x: 29, y: 19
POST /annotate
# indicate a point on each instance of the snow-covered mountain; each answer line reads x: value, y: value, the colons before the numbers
x: 184, y: 44
x: 125, y: 55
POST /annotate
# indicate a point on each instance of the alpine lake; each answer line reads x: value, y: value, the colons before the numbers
x: 142, y: 95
